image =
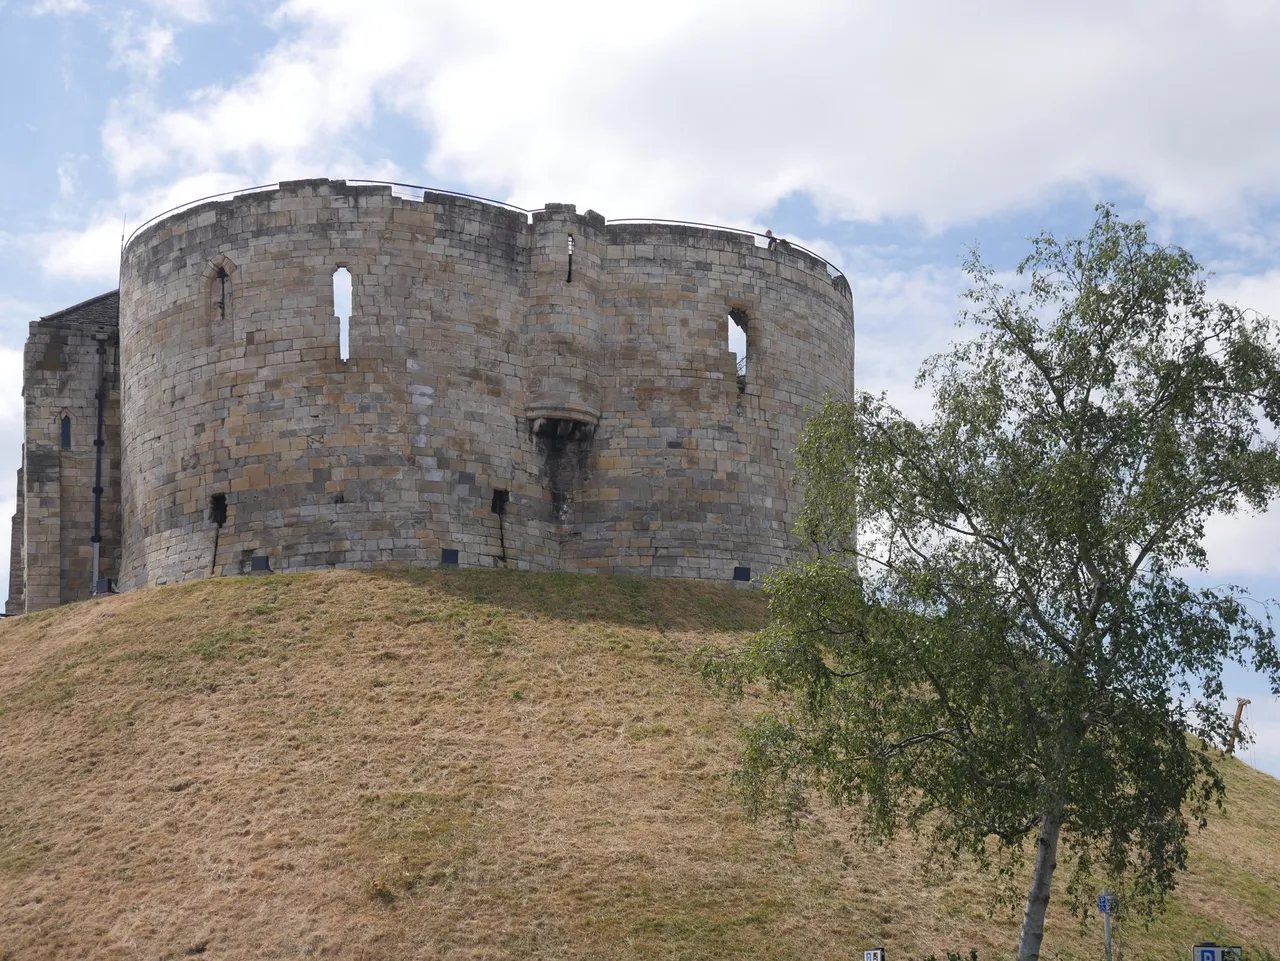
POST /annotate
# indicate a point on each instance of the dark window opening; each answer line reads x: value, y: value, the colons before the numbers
x: 342, y: 310
x: 219, y: 293
x: 738, y: 344
x: 560, y: 504
x: 66, y: 433
x: 449, y: 557
x: 742, y: 573
x: 222, y: 277
x: 498, y: 505
x: 569, y: 278
x: 259, y: 565
x: 218, y: 509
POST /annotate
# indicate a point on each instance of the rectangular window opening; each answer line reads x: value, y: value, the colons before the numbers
x: 449, y: 557
x: 499, y: 502
x: 738, y: 342
x: 218, y: 509
x: 742, y: 573
x: 66, y: 433
x: 342, y: 310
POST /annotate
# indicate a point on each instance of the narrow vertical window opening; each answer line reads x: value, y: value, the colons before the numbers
x: 217, y: 514
x: 66, y: 433
x: 342, y: 310
x: 498, y: 504
x: 220, y: 295
x: 569, y: 278
x: 738, y: 344
x: 221, y: 278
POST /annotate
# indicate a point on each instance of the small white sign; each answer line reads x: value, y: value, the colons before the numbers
x: 875, y: 954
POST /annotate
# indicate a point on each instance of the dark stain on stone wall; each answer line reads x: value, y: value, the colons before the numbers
x: 564, y: 447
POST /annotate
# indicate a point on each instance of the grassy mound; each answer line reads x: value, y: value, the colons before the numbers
x: 470, y: 764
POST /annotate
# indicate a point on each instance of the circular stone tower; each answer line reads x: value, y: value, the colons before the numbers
x: 550, y: 391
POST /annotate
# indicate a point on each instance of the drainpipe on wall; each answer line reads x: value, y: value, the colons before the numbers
x: 98, y: 445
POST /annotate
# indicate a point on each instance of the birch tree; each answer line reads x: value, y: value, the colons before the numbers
x: 991, y: 640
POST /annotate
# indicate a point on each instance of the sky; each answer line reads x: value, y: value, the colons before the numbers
x: 889, y: 137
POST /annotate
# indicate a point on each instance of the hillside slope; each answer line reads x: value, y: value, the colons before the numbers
x: 470, y: 764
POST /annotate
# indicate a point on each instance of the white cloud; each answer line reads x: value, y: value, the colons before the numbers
x: 192, y: 11
x: 15, y: 314
x: 58, y: 8
x: 1244, y: 545
x: 1260, y: 292
x: 142, y: 49
x: 93, y: 253
x: 716, y: 111
x: 89, y: 254
x: 917, y: 109
x: 903, y: 316
x: 11, y: 409
x: 66, y: 179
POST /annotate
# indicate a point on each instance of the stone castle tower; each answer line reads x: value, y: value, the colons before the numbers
x: 544, y: 390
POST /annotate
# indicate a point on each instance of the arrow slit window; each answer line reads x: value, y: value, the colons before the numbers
x: 219, y: 290
x: 342, y: 311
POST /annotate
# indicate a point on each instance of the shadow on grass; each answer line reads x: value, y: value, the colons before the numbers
x: 645, y: 602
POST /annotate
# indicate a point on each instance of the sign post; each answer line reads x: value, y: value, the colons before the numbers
x: 1106, y: 905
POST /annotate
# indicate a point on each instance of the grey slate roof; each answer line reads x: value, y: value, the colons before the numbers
x: 96, y: 311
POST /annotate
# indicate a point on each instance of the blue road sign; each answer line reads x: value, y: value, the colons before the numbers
x: 1214, y: 952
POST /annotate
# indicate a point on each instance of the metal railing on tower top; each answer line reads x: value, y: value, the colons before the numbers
x: 762, y: 240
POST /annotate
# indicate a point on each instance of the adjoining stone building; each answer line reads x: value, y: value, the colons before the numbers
x: 68, y: 510
x: 537, y: 390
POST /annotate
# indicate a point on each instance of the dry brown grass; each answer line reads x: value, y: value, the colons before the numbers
x: 473, y: 764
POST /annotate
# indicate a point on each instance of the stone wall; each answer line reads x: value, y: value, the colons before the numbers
x: 69, y: 357
x: 17, y: 604
x: 602, y: 400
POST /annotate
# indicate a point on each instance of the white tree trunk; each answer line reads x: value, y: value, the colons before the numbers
x: 1041, y: 879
